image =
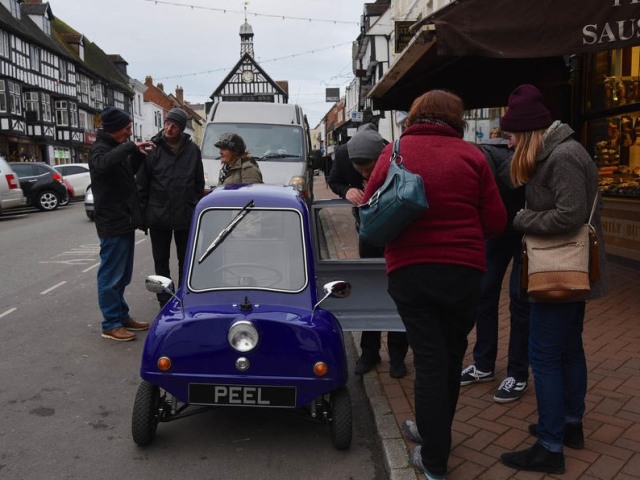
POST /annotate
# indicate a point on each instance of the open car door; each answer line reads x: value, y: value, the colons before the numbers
x: 335, y: 247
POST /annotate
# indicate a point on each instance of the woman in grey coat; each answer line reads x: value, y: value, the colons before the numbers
x: 562, y: 183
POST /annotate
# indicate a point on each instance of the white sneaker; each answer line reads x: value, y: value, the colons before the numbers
x: 472, y: 375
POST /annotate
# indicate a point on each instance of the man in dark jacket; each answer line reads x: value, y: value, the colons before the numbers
x: 345, y: 180
x: 170, y: 183
x: 502, y: 250
x: 113, y: 162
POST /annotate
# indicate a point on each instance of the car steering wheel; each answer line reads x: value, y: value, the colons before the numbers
x: 267, y: 279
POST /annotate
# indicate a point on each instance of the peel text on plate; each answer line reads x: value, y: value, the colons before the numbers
x: 239, y: 395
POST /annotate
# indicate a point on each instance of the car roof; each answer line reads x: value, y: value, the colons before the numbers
x: 264, y: 196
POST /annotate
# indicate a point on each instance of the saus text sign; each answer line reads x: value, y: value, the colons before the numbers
x: 615, y: 30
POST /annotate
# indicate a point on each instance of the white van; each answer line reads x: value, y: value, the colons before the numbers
x: 276, y: 135
x: 11, y: 195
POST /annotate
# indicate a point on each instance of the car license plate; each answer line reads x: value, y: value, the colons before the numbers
x: 242, y: 395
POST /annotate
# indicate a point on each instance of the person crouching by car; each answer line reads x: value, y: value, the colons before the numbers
x: 170, y: 183
x: 237, y: 164
x: 113, y: 162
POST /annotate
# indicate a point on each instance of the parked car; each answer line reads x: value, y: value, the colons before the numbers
x: 77, y: 174
x: 70, y: 192
x: 245, y: 327
x: 88, y: 203
x: 42, y: 184
x: 11, y: 195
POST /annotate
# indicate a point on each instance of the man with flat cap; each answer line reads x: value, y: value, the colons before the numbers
x: 113, y: 162
x: 170, y: 183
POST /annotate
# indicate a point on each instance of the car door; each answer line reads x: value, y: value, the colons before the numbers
x: 335, y: 247
x: 77, y: 175
x: 27, y: 175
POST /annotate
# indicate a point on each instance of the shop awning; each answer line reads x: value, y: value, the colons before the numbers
x: 482, y: 50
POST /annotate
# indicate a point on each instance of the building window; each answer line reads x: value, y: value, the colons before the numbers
x: 15, y: 9
x: 118, y: 100
x: 32, y: 106
x: 46, y: 107
x: 3, y: 97
x: 4, y: 44
x: 62, y: 113
x: 63, y: 71
x: 99, y: 96
x: 46, y: 27
x: 157, y: 119
x: 15, y: 97
x: 84, y: 89
x: 35, y: 58
x: 73, y: 114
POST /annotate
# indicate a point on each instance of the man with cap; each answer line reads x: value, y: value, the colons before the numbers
x: 170, y: 183
x: 237, y: 165
x: 351, y: 168
x: 113, y: 162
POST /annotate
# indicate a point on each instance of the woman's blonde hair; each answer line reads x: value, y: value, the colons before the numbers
x: 528, y: 145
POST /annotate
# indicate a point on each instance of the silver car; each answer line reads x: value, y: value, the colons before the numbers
x: 11, y: 195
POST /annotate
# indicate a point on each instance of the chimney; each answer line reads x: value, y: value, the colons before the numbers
x: 160, y: 87
x: 148, y: 81
x: 180, y: 95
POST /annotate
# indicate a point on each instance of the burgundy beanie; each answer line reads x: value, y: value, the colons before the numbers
x: 526, y: 112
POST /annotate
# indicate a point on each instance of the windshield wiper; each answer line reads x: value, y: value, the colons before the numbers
x: 277, y: 155
x: 226, y: 230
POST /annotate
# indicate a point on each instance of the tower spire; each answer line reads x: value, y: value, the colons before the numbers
x: 246, y: 35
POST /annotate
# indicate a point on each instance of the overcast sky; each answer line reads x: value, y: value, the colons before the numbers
x: 194, y: 43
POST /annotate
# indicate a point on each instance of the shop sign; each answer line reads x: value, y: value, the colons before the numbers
x: 89, y: 138
x: 403, y: 35
x: 333, y: 94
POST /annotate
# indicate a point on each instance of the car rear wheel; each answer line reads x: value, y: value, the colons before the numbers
x: 47, y: 201
x: 146, y: 414
x: 341, y: 419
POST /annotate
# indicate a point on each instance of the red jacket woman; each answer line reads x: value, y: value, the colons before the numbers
x: 435, y: 264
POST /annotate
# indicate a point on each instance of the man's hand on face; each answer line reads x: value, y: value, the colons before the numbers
x: 354, y: 195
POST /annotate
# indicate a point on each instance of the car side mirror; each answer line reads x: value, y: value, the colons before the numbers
x: 159, y: 284
x: 336, y: 289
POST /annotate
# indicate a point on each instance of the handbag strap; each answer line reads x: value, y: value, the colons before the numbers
x: 395, y: 155
x: 593, y: 207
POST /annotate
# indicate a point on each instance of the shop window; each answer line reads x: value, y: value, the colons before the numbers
x: 612, y: 108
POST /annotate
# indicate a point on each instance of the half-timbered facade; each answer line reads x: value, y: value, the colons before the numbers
x: 247, y: 81
x: 53, y: 83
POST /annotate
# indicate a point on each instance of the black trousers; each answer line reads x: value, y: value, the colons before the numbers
x: 397, y: 343
x: 161, y: 249
x: 437, y: 304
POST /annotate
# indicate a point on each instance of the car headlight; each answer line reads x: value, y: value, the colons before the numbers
x: 298, y: 182
x: 243, y: 336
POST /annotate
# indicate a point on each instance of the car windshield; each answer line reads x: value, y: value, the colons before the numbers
x: 265, y: 251
x: 280, y: 143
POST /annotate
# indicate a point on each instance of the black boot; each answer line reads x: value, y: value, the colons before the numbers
x: 366, y: 362
x: 535, y: 459
x: 573, y: 435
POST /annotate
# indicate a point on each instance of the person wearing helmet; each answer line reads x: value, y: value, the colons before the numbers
x: 237, y: 164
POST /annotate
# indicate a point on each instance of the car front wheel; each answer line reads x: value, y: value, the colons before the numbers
x: 47, y: 201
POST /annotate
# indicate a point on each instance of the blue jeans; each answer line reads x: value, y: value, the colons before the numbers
x: 559, y: 368
x: 114, y: 274
x: 500, y: 252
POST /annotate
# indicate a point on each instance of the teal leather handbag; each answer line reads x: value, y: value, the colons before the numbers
x: 397, y: 203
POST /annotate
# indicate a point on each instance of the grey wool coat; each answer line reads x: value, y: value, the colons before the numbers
x: 561, y: 191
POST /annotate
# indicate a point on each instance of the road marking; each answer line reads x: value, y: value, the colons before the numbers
x: 90, y: 268
x: 140, y: 241
x: 53, y: 288
x: 11, y: 310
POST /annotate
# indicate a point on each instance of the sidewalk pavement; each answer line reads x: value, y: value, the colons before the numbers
x: 484, y: 429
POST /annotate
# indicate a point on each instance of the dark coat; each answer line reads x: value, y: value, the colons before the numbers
x: 343, y: 175
x: 499, y: 155
x: 170, y: 184
x: 112, y: 166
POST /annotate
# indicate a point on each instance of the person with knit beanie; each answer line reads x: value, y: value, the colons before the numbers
x: 113, y: 162
x: 170, y: 183
x: 561, y: 185
x: 353, y: 164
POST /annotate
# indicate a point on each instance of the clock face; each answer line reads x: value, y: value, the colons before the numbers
x: 247, y: 76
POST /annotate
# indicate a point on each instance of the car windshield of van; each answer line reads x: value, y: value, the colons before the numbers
x: 263, y: 251
x: 278, y: 143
